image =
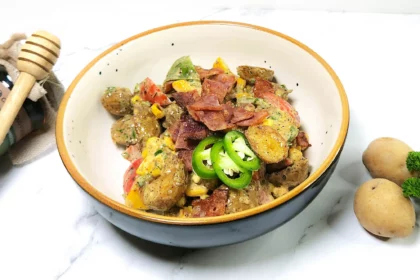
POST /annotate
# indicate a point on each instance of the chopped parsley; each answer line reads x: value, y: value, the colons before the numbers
x: 158, y: 152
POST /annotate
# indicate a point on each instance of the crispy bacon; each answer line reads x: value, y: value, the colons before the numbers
x: 214, y: 205
x: 302, y: 140
x: 185, y: 144
x: 184, y: 99
x: 214, y: 120
x: 240, y: 114
x: 212, y: 87
x: 186, y: 157
x: 174, y: 130
x: 227, y: 80
x: 190, y: 129
x: 256, y: 119
x: 207, y: 102
x: 262, y: 87
x: 207, y: 73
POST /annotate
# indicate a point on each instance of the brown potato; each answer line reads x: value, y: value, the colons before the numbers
x: 250, y: 73
x: 130, y: 130
x: 385, y: 157
x: 267, y: 143
x: 381, y: 209
x: 172, y: 114
x: 292, y: 176
x: 164, y: 192
x: 116, y: 101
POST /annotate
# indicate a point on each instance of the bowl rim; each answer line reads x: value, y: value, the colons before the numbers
x: 92, y: 191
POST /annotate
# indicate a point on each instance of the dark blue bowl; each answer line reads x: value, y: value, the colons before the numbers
x: 211, y: 231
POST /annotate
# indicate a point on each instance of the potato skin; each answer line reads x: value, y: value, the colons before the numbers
x: 250, y: 73
x: 164, y: 192
x: 267, y: 143
x: 292, y: 176
x: 381, y: 209
x: 385, y: 157
x: 116, y: 100
x: 131, y: 130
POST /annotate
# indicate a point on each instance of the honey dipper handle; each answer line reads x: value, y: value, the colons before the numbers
x: 14, y: 102
x: 36, y: 59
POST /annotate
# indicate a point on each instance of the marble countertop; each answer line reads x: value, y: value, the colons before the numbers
x: 49, y: 230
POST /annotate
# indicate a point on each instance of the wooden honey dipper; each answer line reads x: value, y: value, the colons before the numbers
x: 35, y: 61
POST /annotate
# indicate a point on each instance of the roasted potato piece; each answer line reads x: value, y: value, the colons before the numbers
x: 116, y: 100
x: 166, y: 190
x: 382, y: 209
x: 282, y: 91
x: 130, y: 130
x: 250, y: 73
x: 292, y: 176
x: 172, y: 114
x: 241, y: 200
x: 267, y: 143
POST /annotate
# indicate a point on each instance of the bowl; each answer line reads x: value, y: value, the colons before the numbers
x: 96, y: 164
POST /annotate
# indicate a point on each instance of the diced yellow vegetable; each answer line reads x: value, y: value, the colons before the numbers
x: 220, y: 64
x: 169, y: 143
x: 194, y: 190
x: 157, y: 111
x: 156, y: 172
x: 151, y: 141
x: 134, y: 200
x: 240, y: 84
x: 195, y: 178
x: 181, y: 202
x: 204, y: 196
x: 243, y: 95
x: 182, y: 86
x: 295, y: 154
x: 144, y: 153
x: 268, y: 122
x: 135, y: 99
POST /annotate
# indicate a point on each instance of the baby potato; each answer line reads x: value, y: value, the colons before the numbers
x: 267, y: 143
x: 385, y: 157
x: 382, y: 209
x: 116, y: 100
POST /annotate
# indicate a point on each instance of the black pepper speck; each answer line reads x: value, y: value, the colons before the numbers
x: 100, y: 73
x: 297, y: 84
x: 270, y: 66
x: 326, y: 132
x: 80, y: 142
x: 322, y: 143
x: 116, y: 70
x: 265, y: 61
x: 172, y: 44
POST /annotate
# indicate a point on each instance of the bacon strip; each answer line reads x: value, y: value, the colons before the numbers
x: 214, y: 205
x: 184, y: 99
x: 256, y: 119
x: 302, y: 140
x: 207, y: 73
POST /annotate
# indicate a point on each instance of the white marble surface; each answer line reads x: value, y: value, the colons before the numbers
x: 49, y: 231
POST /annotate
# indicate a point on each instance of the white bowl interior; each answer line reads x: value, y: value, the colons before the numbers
x: 87, y: 125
